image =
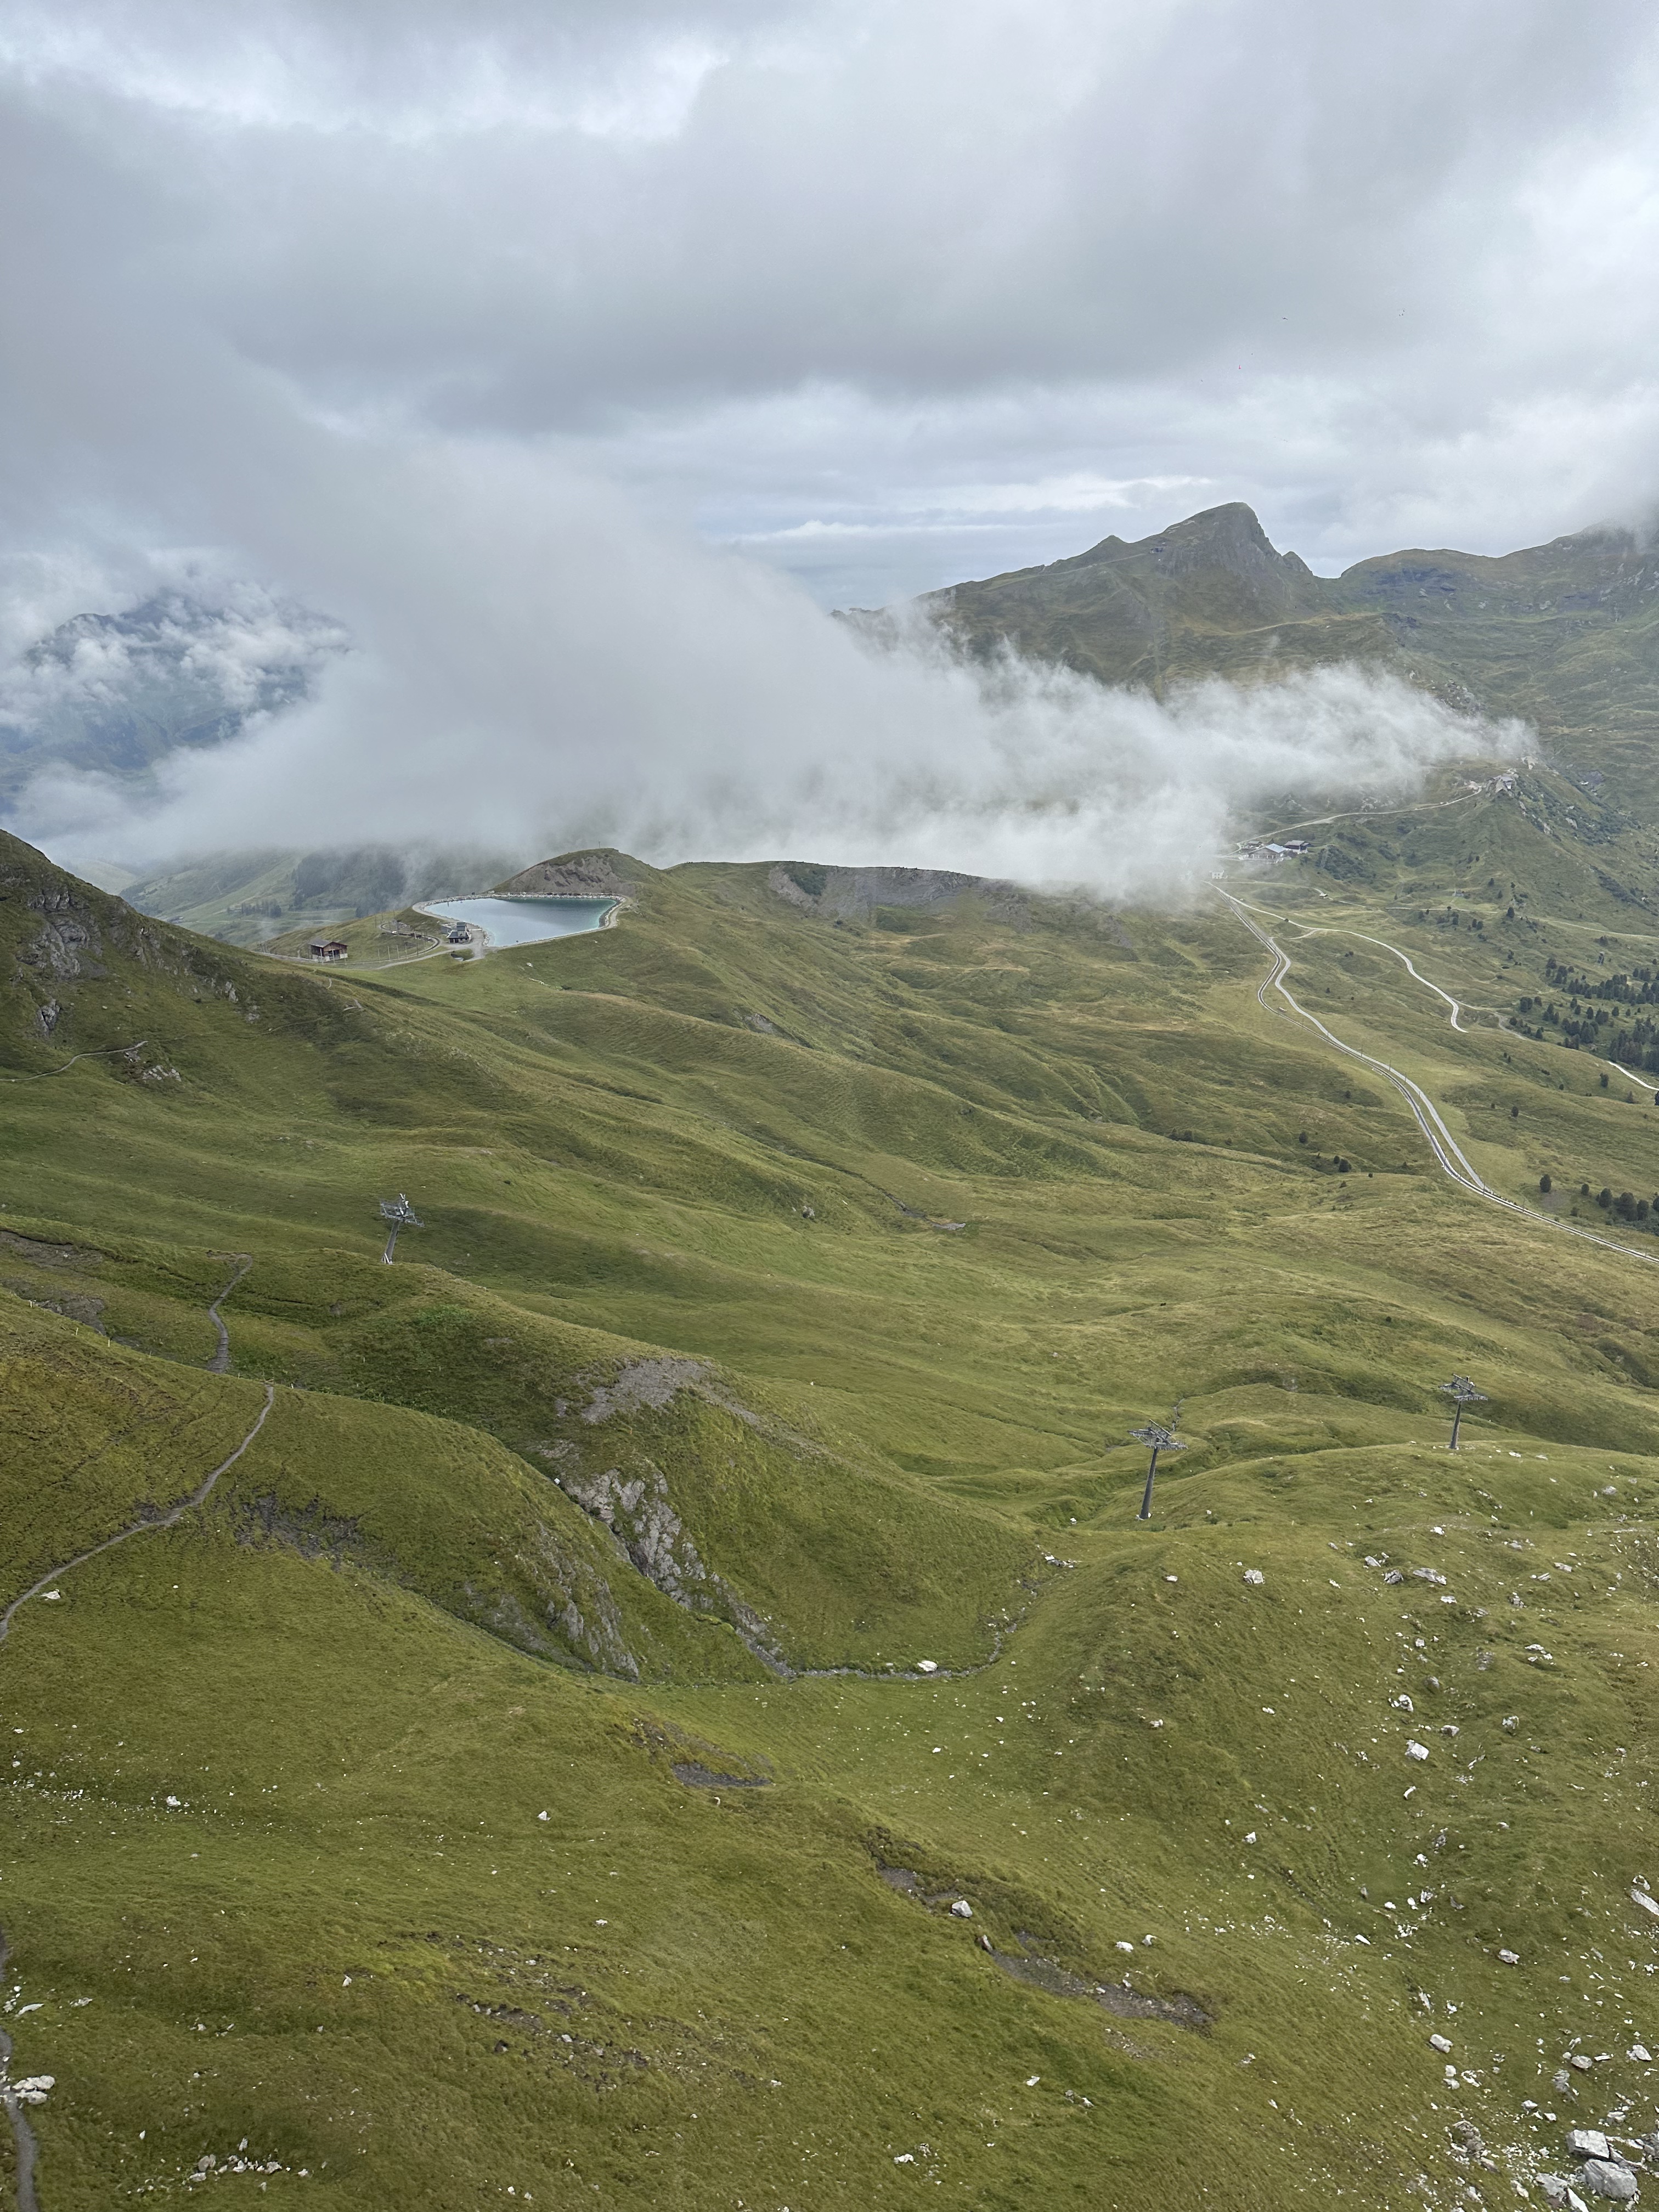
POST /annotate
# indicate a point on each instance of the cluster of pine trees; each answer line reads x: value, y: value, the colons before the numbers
x: 1595, y: 1019
x: 1624, y: 1206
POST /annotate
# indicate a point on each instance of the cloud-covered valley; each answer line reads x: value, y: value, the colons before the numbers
x: 570, y: 360
x: 533, y: 665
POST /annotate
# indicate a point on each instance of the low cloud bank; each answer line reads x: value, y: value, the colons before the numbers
x: 535, y: 666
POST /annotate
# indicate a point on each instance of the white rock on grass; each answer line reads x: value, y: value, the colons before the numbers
x: 963, y: 1910
x: 1580, y: 2064
x: 1255, y: 1574
x: 1587, y: 2142
x: 1438, y: 2043
x: 1641, y: 2054
x: 1648, y: 1902
x: 1606, y: 2177
x: 1560, y: 2193
x: 33, y: 2086
x: 1510, y: 1957
x: 1415, y: 1750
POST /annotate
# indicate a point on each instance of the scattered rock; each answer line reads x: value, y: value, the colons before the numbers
x: 1438, y: 2043
x: 1466, y: 2137
x: 1255, y: 1574
x: 928, y: 1666
x: 1645, y: 1899
x: 1559, y: 2192
x: 1415, y: 1750
x: 963, y: 1910
x: 1561, y: 2083
x: 1587, y: 2142
x: 1428, y: 1575
x: 1393, y: 1575
x: 33, y: 2087
x: 1510, y: 1958
x: 1580, y: 2064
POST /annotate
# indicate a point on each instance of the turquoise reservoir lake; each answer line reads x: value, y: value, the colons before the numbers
x: 506, y: 921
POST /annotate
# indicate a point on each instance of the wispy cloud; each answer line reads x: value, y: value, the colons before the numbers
x: 535, y: 666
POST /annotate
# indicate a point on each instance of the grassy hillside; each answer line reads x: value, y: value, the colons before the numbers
x: 1564, y: 635
x: 547, y: 1760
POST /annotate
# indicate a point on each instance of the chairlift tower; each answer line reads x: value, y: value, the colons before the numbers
x: 1161, y: 1440
x: 402, y: 1215
x: 1463, y: 1393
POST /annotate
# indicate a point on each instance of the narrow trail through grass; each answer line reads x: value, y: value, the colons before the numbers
x: 144, y: 1527
x: 24, y: 2149
x: 220, y: 1363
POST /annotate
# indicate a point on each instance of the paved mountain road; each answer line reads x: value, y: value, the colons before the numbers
x: 1320, y: 929
x: 1448, y: 1153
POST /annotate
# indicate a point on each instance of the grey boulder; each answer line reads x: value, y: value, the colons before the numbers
x: 1606, y: 2177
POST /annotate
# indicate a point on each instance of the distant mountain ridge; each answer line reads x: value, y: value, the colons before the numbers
x: 1564, y: 635
x: 113, y: 694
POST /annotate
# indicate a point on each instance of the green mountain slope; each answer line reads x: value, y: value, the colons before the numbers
x: 1565, y: 636
x: 547, y: 1758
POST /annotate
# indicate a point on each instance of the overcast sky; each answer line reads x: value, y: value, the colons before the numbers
x: 891, y: 291
x: 566, y: 351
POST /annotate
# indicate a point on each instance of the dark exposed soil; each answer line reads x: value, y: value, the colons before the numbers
x: 696, y: 1776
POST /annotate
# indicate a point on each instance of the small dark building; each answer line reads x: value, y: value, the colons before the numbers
x: 328, y: 948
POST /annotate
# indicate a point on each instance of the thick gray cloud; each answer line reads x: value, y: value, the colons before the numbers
x: 461, y: 324
x: 928, y: 267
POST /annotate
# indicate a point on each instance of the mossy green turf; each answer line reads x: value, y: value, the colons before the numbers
x: 889, y: 1438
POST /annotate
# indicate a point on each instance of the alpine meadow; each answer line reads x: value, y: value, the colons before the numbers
x: 663, y: 1692
x: 828, y: 1160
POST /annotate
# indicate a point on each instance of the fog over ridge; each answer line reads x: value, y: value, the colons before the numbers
x: 535, y: 666
x: 469, y: 329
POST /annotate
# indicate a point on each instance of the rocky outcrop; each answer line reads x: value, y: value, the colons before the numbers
x: 641, y: 1516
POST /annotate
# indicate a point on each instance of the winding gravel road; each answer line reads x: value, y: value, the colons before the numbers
x: 1446, y: 1152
